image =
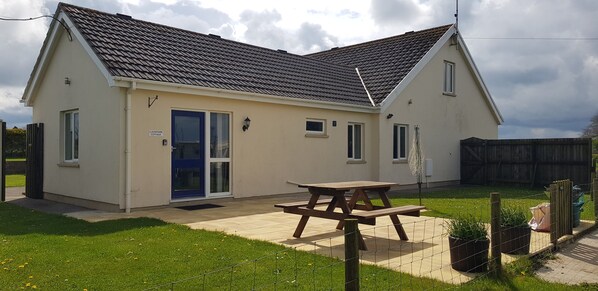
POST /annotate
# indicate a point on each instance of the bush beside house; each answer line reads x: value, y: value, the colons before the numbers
x: 16, y: 142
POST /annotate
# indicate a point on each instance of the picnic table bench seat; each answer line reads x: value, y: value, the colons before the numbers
x: 410, y: 210
x: 302, y: 203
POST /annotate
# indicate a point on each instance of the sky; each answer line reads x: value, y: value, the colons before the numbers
x: 539, y: 59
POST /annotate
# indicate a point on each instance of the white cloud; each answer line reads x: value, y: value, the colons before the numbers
x: 542, y: 87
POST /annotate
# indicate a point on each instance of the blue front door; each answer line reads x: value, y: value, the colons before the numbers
x: 188, y: 154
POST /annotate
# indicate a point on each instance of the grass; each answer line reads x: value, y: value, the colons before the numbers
x: 54, y: 252
x: 519, y: 275
x: 475, y: 200
x: 16, y: 159
x: 15, y: 180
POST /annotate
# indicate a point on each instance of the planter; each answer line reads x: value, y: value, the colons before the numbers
x: 515, y: 240
x: 469, y: 255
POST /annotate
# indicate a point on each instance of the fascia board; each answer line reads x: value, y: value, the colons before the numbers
x: 47, y: 51
x: 94, y: 57
x: 394, y: 94
x: 238, y: 95
x: 480, y: 81
x: 54, y: 34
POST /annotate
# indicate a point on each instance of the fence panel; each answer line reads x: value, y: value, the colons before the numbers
x: 529, y: 162
x: 34, y: 177
x: 560, y: 210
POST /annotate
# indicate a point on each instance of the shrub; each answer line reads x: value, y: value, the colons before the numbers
x: 467, y: 227
x: 512, y: 217
x: 16, y: 143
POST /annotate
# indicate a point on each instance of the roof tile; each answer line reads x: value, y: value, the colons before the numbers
x: 143, y: 50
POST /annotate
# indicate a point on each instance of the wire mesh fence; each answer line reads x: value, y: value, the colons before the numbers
x: 424, y: 261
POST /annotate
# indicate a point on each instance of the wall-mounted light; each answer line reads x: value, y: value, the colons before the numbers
x: 67, y: 81
x: 389, y: 116
x: 410, y: 102
x: 246, y: 123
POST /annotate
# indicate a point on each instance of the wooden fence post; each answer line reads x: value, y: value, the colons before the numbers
x: 495, y: 262
x: 553, y: 225
x: 351, y: 254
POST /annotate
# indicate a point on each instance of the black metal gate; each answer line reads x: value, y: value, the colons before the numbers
x: 34, y: 177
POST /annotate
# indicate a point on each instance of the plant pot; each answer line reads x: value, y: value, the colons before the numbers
x: 469, y: 255
x: 515, y: 240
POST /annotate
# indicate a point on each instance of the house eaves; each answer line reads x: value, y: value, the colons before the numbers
x: 47, y: 50
x: 340, y: 87
x: 237, y: 95
x: 428, y: 57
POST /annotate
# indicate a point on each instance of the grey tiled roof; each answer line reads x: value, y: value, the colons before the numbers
x: 385, y: 62
x: 144, y: 50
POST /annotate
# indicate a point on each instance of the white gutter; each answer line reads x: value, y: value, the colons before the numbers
x: 239, y: 95
x: 364, y: 87
x: 128, y: 147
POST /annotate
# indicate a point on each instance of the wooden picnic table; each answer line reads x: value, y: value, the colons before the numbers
x: 361, y: 190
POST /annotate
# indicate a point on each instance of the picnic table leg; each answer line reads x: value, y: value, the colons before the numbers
x: 332, y: 204
x: 303, y: 221
x: 394, y: 218
x: 359, y: 194
x: 342, y: 203
x: 351, y: 204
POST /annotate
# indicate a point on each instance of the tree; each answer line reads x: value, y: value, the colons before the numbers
x: 592, y: 129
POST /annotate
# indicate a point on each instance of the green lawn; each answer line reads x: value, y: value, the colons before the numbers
x: 58, y: 253
x: 53, y: 252
x: 15, y: 180
x: 476, y: 201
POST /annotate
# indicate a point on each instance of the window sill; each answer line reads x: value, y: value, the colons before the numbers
x: 399, y: 161
x: 356, y: 162
x: 316, y: 135
x: 68, y: 165
x: 449, y: 94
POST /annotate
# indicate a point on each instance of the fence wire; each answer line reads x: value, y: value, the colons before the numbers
x: 423, y: 262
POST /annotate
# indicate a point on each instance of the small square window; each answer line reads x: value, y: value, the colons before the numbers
x: 315, y: 126
x: 449, y: 78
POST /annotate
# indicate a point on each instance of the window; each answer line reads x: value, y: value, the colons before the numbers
x: 399, y: 142
x: 449, y: 78
x: 71, y: 136
x: 355, y: 141
x: 315, y: 127
x: 219, y: 152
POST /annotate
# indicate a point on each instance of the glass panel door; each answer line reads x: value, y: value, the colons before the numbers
x: 188, y: 154
x: 219, y: 153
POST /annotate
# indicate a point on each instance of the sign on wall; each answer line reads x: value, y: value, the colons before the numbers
x: 156, y: 133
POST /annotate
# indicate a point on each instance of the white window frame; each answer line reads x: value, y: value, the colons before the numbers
x: 351, y: 156
x: 396, y: 142
x: 210, y: 160
x: 70, y: 115
x: 449, y: 78
x: 315, y: 132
